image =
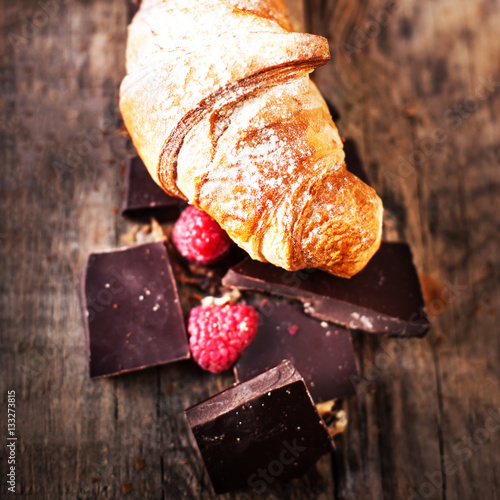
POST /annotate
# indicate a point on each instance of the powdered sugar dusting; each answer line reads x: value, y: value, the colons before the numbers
x: 185, y: 51
x: 257, y: 149
x: 262, y: 160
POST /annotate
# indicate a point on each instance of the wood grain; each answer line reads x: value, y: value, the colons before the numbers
x: 417, y: 84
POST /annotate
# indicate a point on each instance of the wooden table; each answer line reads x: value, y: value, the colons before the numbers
x: 417, y: 85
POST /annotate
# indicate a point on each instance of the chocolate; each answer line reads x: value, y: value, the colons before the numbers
x: 321, y: 352
x: 260, y: 430
x: 131, y: 310
x: 143, y: 197
x: 353, y: 161
x: 385, y: 297
x: 133, y: 7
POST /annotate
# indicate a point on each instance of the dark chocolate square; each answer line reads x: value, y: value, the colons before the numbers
x: 321, y: 352
x: 263, y: 429
x: 385, y: 297
x: 133, y: 7
x: 131, y: 310
x: 143, y: 197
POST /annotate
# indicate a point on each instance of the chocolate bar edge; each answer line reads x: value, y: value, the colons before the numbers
x: 345, y: 312
x: 292, y: 376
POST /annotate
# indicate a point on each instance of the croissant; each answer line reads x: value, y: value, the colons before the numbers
x: 218, y: 102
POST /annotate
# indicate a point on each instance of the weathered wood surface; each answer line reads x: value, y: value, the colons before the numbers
x: 417, y: 84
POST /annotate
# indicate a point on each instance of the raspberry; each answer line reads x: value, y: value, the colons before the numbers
x: 219, y: 334
x: 199, y: 238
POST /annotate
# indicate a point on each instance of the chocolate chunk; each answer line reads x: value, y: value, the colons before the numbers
x: 320, y: 351
x: 133, y: 7
x: 353, y: 161
x: 143, y: 197
x: 385, y: 297
x: 261, y: 430
x: 131, y: 310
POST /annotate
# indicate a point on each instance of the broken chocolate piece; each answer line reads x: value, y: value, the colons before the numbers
x: 385, y: 297
x: 133, y: 7
x: 321, y: 352
x: 143, y: 197
x: 266, y: 427
x: 131, y: 310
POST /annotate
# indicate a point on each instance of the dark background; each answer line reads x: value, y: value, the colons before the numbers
x: 417, y: 85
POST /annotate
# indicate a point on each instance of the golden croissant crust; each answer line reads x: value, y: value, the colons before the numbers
x: 219, y: 104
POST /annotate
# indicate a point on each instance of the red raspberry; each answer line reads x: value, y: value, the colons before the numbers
x: 218, y: 334
x: 199, y: 238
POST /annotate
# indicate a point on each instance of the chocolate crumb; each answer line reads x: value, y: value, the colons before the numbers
x: 334, y: 416
x: 130, y: 237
